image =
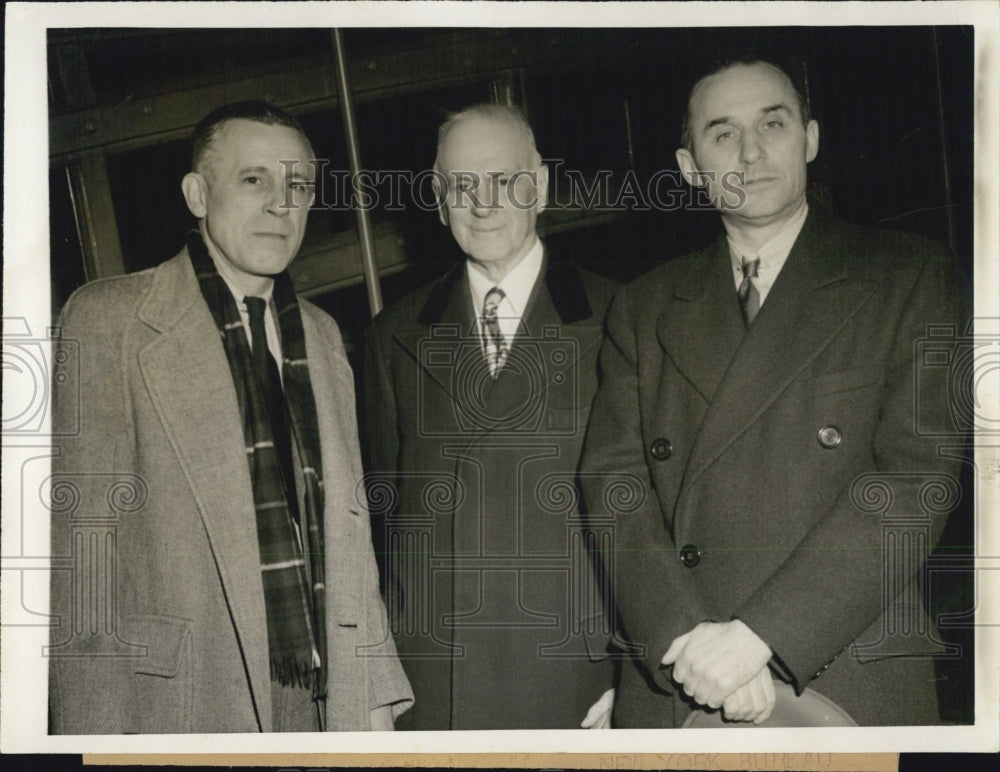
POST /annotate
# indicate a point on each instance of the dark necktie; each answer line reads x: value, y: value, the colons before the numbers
x: 274, y: 398
x: 493, y: 342
x: 748, y: 294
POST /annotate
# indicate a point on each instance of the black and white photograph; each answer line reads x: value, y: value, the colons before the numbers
x: 586, y: 371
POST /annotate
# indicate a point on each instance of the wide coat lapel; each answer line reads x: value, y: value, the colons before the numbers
x: 701, y: 327
x: 189, y: 382
x: 444, y: 326
x: 811, y: 300
x: 558, y: 304
x: 557, y: 329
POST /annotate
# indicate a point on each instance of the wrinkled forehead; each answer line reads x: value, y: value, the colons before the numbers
x: 242, y: 141
x: 480, y: 144
x: 741, y: 87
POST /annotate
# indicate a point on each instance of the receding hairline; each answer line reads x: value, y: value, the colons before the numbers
x: 688, y: 130
x: 205, y: 161
x: 501, y: 115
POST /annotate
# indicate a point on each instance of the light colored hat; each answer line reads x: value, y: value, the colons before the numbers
x: 808, y: 709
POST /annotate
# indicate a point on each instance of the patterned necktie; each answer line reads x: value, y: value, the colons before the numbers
x: 748, y: 294
x: 493, y: 342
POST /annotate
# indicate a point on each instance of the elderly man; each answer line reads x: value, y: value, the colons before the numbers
x: 240, y: 586
x: 760, y: 395
x: 478, y: 387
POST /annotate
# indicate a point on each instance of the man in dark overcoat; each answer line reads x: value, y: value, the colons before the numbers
x: 478, y: 388
x: 763, y: 398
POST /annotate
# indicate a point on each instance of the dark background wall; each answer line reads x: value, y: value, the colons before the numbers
x: 895, y: 107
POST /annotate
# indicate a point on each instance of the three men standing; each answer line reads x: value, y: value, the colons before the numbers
x: 757, y: 394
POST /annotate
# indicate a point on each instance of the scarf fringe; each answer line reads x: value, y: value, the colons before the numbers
x: 293, y: 672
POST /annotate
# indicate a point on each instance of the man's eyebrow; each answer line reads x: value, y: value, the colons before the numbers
x: 294, y: 176
x: 775, y: 108
x: 764, y: 111
x: 717, y: 122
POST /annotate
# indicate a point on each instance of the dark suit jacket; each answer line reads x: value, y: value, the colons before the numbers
x: 778, y: 472
x: 156, y: 584
x: 492, y: 599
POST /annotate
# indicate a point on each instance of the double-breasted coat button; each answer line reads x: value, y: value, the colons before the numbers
x: 661, y: 449
x: 690, y: 555
x: 829, y: 437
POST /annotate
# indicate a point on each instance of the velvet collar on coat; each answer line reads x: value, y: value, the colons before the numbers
x: 562, y: 280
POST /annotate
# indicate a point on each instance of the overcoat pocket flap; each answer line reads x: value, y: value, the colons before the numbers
x: 571, y: 418
x: 842, y: 380
x: 164, y: 638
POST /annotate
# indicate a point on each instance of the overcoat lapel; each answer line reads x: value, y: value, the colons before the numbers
x: 344, y: 531
x: 508, y: 392
x: 190, y: 385
x: 555, y: 318
x: 811, y: 300
x: 332, y: 382
x: 446, y: 322
x: 559, y: 300
x: 701, y: 327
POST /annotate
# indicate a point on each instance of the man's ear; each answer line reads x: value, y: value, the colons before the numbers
x: 685, y: 162
x: 439, y: 195
x: 812, y: 140
x: 195, y: 189
x: 542, y: 188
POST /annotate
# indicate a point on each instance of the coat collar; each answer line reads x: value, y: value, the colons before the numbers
x: 562, y: 280
x: 172, y: 293
x: 559, y: 300
x: 701, y: 327
x: 702, y: 330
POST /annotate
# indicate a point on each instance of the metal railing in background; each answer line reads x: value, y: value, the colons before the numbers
x: 366, y: 240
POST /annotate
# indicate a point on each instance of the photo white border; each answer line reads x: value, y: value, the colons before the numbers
x: 26, y: 295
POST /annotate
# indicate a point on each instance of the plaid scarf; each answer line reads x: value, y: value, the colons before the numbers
x: 296, y: 629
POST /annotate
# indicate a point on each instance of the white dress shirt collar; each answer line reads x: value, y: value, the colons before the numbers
x: 517, y: 286
x: 772, y: 255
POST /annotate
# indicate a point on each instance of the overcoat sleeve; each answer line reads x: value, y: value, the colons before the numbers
x: 387, y: 683
x: 93, y: 428
x: 380, y: 444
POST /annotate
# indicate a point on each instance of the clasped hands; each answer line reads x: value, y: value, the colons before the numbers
x: 724, y: 664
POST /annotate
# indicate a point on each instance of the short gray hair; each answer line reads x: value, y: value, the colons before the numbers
x: 509, y: 114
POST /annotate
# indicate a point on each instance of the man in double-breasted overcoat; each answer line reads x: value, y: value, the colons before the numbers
x: 764, y: 397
